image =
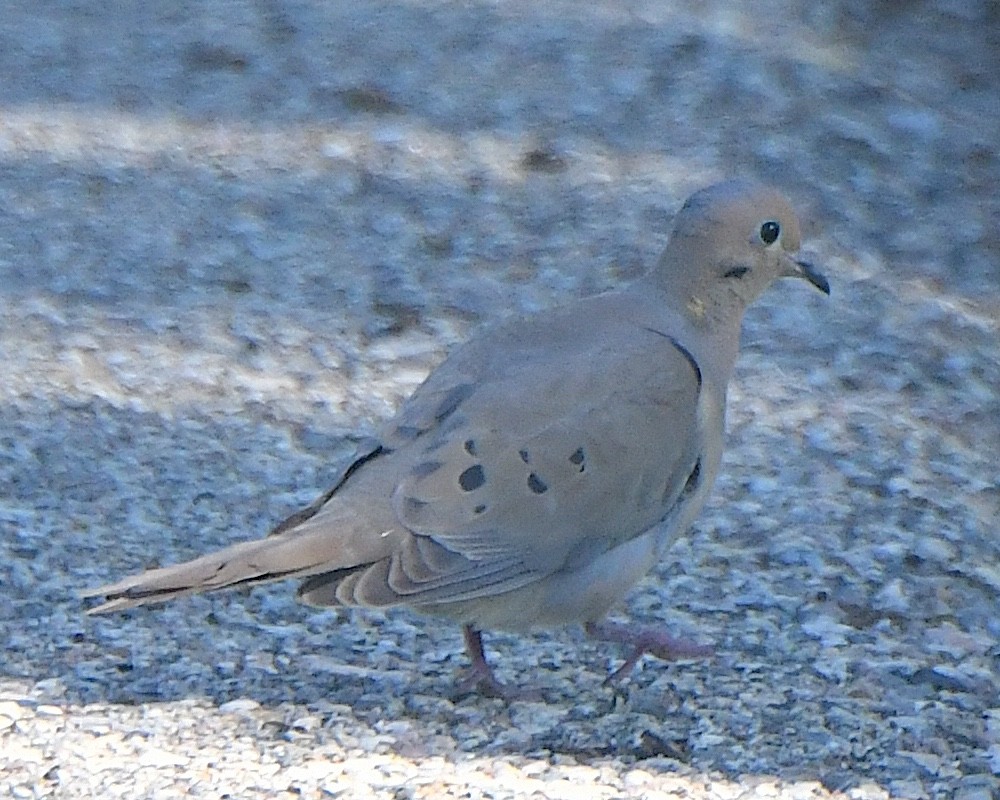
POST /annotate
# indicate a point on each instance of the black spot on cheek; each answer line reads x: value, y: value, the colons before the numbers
x: 470, y: 447
x: 536, y: 484
x: 525, y: 456
x: 472, y: 478
x: 578, y: 459
x: 479, y: 509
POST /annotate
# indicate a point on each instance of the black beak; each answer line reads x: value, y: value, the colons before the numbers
x: 815, y: 278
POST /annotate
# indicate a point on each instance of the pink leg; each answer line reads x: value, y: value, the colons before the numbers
x: 654, y: 641
x: 480, y: 675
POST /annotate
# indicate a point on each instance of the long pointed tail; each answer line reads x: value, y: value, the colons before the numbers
x: 243, y: 564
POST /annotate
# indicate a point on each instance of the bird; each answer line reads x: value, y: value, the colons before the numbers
x: 544, y: 467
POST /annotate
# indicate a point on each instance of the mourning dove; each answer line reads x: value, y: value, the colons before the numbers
x: 543, y: 468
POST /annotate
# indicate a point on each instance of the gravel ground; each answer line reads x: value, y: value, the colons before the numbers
x: 233, y: 235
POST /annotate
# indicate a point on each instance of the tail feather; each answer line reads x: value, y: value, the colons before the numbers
x: 248, y: 563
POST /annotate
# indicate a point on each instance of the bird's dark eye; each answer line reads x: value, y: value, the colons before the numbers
x: 769, y: 232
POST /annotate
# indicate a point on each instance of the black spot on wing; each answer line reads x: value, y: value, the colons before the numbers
x: 536, y: 484
x: 472, y: 478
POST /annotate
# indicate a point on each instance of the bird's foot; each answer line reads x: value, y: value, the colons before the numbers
x: 654, y: 641
x: 480, y: 678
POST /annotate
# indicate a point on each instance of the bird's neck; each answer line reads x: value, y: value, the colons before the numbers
x: 710, y: 329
